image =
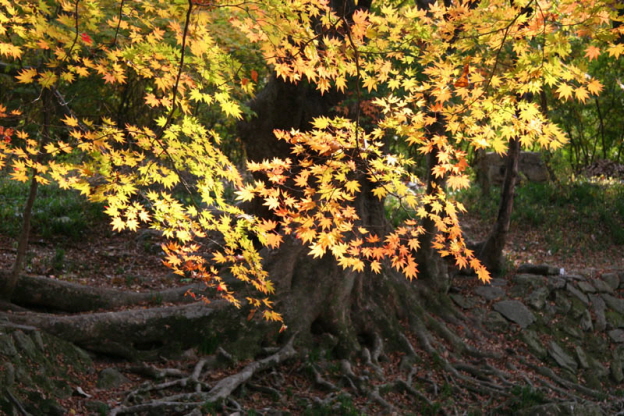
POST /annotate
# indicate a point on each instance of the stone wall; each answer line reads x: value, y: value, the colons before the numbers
x: 491, y: 168
x: 571, y: 321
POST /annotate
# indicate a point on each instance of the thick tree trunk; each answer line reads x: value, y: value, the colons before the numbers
x: 342, y: 309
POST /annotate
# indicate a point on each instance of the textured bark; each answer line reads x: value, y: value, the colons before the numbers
x: 147, y: 333
x: 342, y: 310
x: 319, y: 300
x: 52, y: 295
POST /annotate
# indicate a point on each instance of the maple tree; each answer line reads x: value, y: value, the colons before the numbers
x: 438, y: 77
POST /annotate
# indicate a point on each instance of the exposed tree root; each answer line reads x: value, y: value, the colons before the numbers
x: 547, y: 372
x: 60, y: 296
x: 483, y: 378
x: 226, y: 386
x: 440, y: 367
x: 376, y: 397
x: 18, y: 405
x: 320, y: 381
x: 130, y: 333
x: 202, y: 393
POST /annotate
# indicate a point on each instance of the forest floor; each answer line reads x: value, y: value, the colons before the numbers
x: 132, y: 262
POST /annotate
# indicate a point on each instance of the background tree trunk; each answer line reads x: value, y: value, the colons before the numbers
x: 490, y: 252
x: 8, y: 281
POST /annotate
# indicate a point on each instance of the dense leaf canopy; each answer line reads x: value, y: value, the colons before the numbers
x: 144, y: 95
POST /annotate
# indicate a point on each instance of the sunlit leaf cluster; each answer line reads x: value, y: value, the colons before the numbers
x: 126, y: 91
x: 166, y: 168
x: 473, y: 67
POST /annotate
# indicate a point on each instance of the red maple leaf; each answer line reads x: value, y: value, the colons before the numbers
x: 86, y: 38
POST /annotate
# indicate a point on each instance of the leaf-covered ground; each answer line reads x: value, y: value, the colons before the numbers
x: 132, y: 261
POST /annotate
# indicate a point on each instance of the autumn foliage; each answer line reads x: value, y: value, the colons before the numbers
x: 466, y: 66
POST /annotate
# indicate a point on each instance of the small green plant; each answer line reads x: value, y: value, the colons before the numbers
x: 157, y: 299
x: 211, y: 408
x: 58, y: 260
x: 131, y: 280
x: 208, y: 345
x: 594, y: 206
x: 342, y: 406
x: 56, y: 212
x: 525, y: 397
x: 446, y: 390
x: 315, y: 355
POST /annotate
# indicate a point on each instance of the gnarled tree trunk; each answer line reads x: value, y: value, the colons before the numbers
x: 317, y: 297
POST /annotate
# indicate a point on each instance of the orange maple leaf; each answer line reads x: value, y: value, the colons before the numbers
x: 592, y: 52
x: 411, y: 269
x: 273, y: 240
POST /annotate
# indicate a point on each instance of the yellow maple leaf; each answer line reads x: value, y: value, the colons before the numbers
x: 246, y: 194
x: 230, y: 108
x: 616, y: 50
x: 325, y: 223
x: 272, y: 316
x: 483, y: 274
x: 144, y: 216
x: 10, y: 50
x: 352, y: 186
x: 132, y: 224
x: 317, y: 250
x: 19, y: 175
x: 375, y: 266
x: 442, y: 95
x: 436, y: 207
x: 411, y: 269
x: 68, y: 77
x: 321, y: 122
x: 380, y: 192
x: 413, y: 244
x: 109, y: 78
x: 267, y: 225
x: 581, y: 94
x: 80, y: 70
x: 458, y: 182
x: 273, y: 240
x: 26, y: 76
x: 218, y: 257
x: 272, y: 202
x: 370, y: 84
x: 70, y: 121
x: 118, y: 224
x: 460, y: 261
x: 151, y: 100
x: 357, y: 265
x: 306, y: 235
x: 47, y: 79
x: 565, y: 91
x: 50, y: 148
